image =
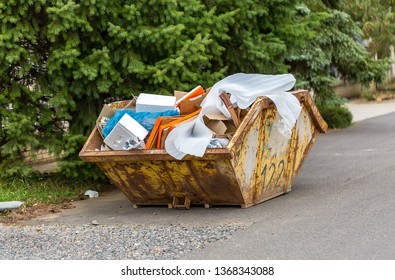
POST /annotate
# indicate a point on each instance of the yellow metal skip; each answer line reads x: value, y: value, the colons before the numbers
x: 258, y: 164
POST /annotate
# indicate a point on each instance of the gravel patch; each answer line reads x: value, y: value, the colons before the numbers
x: 101, y: 242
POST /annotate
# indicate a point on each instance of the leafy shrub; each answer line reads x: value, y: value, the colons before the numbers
x: 336, y: 116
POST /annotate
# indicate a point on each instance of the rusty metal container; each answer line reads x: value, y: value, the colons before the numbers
x: 257, y: 165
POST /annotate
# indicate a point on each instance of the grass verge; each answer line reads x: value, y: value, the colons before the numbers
x: 42, y: 189
x: 42, y: 194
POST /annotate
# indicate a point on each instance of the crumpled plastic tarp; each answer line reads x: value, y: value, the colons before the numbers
x: 193, y: 137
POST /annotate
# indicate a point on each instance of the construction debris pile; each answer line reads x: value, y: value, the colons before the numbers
x: 190, y: 122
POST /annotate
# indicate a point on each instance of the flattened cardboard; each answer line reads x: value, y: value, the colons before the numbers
x: 164, y: 135
x: 178, y: 94
x: 106, y: 111
x: 215, y: 123
x: 220, y: 125
x: 230, y: 130
x: 188, y: 106
x: 219, y: 117
x: 196, y: 92
x: 230, y: 127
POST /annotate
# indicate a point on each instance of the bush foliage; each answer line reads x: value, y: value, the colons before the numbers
x: 336, y: 116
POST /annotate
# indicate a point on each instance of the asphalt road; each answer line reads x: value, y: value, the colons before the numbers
x: 342, y: 205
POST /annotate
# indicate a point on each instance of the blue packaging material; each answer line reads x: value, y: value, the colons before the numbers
x: 146, y: 119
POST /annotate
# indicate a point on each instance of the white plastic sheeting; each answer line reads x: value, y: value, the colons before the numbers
x: 192, y: 138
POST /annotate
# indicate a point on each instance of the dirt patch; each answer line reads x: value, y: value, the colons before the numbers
x: 25, y: 213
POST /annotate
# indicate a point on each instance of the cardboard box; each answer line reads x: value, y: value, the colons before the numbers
x: 127, y: 132
x: 155, y: 103
x: 217, y: 123
x: 188, y: 106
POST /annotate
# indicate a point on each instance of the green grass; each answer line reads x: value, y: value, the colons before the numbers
x: 43, y: 189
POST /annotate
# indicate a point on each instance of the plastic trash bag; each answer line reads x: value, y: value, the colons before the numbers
x: 146, y: 119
